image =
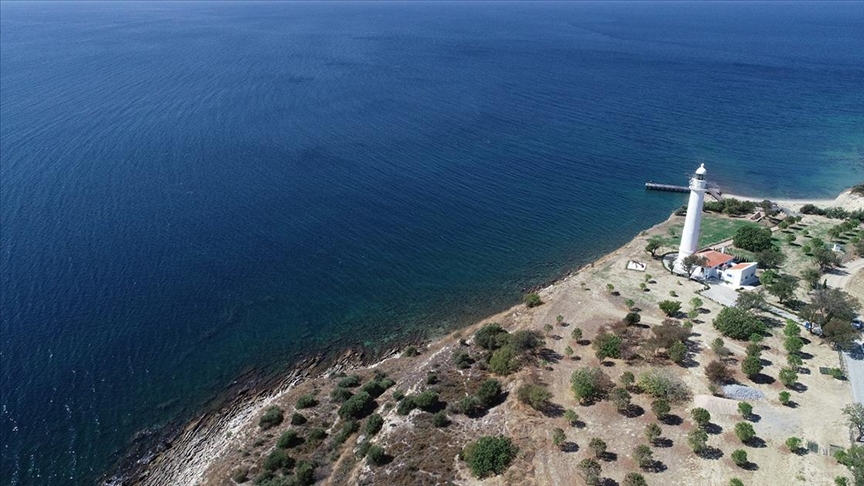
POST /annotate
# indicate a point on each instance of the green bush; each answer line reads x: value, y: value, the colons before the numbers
x: 751, y: 366
x: 697, y: 439
x: 439, y: 419
x: 632, y: 318
x: 349, y: 381
x: 340, y: 394
x: 670, y: 307
x: 793, y: 444
x: 376, y: 455
x: 271, y: 418
x: 744, y: 431
x: 607, y: 345
x: 298, y: 419
x: 738, y: 323
x: 377, y: 386
x: 306, y: 401
x: 634, y: 479
x: 785, y: 397
x: 489, y: 392
x: 739, y: 457
x: 533, y: 300
x: 356, y: 407
x: 652, y: 432
x: 701, y: 416
x: 411, y: 351
x: 489, y: 455
x: 558, y: 437
x: 427, y: 400
x: 678, y: 352
x: 524, y: 341
x: 470, y: 405
x: 752, y: 238
x: 571, y: 417
x: 588, y: 384
x: 278, y: 459
x: 504, y: 361
x: 288, y: 439
x: 462, y: 361
x: 621, y: 398
x: 491, y: 337
x: 304, y: 474
x: 598, y: 446
x: 745, y: 409
x: 535, y: 396
x: 643, y: 456
x: 317, y: 434
x: 735, y: 482
x: 349, y: 427
x: 661, y: 408
x: 663, y: 384
x: 590, y: 470
x: 373, y: 424
x: 788, y: 377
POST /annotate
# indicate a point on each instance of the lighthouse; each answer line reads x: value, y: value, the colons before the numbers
x: 690, y: 234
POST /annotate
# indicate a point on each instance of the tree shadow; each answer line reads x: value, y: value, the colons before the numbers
x: 756, y: 443
x: 750, y: 466
x: 556, y: 337
x: 762, y: 379
x: 672, y: 419
x: 753, y: 417
x: 804, y: 356
x: 712, y: 453
x: 655, y: 466
x: 607, y: 482
x: 553, y: 410
x: 569, y: 447
x: 633, y: 411
x: 765, y: 362
x: 712, y: 428
x: 799, y: 387
x: 549, y: 355
x: 662, y: 442
x: 609, y: 456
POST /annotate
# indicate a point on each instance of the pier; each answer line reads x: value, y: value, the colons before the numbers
x: 653, y: 186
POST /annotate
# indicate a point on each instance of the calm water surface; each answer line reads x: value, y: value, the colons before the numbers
x: 192, y: 190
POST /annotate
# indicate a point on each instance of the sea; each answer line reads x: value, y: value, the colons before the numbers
x: 193, y: 191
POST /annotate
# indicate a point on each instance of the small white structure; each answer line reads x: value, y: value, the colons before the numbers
x: 690, y: 234
x: 715, y: 263
x: 741, y: 274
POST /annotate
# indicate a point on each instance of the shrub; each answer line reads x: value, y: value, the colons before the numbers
x: 304, y: 474
x: 571, y: 417
x: 240, y: 475
x: 752, y: 238
x: 621, y: 398
x: 524, y: 341
x: 278, y: 459
x: 588, y: 384
x: 793, y: 444
x: 504, y: 361
x: 719, y: 348
x: 298, y: 419
x: 788, y: 377
x: 697, y: 439
x: 363, y: 448
x: 785, y: 397
x: 558, y: 437
x: 626, y: 379
x: 439, y: 419
x: 340, y: 394
x: 398, y: 395
x: 533, y: 300
x: 607, y: 345
x: 349, y: 381
x: 373, y: 424
x: 670, y: 307
x: 662, y: 384
x: 751, y: 366
x: 598, y: 446
x: 470, y: 405
x: 535, y: 396
x: 288, y: 439
x: 489, y: 455
x: 838, y: 481
x: 376, y: 455
x: 634, y: 479
x: 316, y: 434
x: 717, y: 372
x: 568, y: 351
x: 739, y: 457
x: 462, y: 361
x: 630, y: 303
x: 735, y: 482
x: 271, y: 418
x: 744, y: 431
x: 836, y: 373
x: 356, y: 407
x: 576, y: 334
x: 738, y: 323
x: 349, y: 427
x: 701, y: 416
x: 678, y: 352
x: 661, y: 408
x: 377, y: 387
x: 652, y: 432
x: 431, y: 378
x: 794, y: 360
x: 589, y: 469
x: 427, y: 400
x: 632, y: 318
x: 643, y: 456
x: 491, y: 337
x: 745, y: 409
x: 489, y: 392
x: 306, y: 401
x: 793, y: 344
x: 411, y: 351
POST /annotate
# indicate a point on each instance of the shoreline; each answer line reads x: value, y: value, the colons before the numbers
x: 845, y: 198
x: 186, y: 458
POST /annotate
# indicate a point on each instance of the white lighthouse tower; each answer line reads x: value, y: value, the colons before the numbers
x: 690, y: 234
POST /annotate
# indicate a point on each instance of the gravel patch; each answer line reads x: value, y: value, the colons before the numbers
x: 740, y: 392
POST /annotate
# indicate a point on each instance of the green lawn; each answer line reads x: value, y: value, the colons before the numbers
x: 714, y: 229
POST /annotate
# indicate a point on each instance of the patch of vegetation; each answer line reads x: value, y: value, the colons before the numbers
x: 278, y: 459
x: 607, y: 345
x: 533, y: 300
x: 358, y: 406
x: 739, y: 457
x: 491, y: 337
x: 349, y: 381
x: 504, y: 361
x: 535, y: 396
x: 376, y: 456
x: 271, y: 418
x: 589, y: 384
x: 306, y: 401
x: 744, y: 431
x: 663, y: 384
x: 752, y: 238
x: 737, y: 323
x: 298, y: 419
x: 589, y: 470
x: 489, y: 456
x: 288, y: 439
x: 670, y: 307
x: 373, y: 424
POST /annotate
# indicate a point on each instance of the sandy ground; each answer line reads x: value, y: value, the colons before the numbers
x: 209, y: 456
x: 846, y: 199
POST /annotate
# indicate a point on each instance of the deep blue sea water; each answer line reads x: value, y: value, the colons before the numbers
x: 192, y: 190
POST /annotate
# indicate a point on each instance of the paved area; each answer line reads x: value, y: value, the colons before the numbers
x: 839, y: 277
x: 855, y: 371
x: 722, y: 294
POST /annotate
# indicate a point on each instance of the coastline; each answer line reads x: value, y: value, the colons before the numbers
x: 203, y: 440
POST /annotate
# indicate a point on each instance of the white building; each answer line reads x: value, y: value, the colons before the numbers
x: 741, y: 274
x: 715, y: 263
x: 690, y: 233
